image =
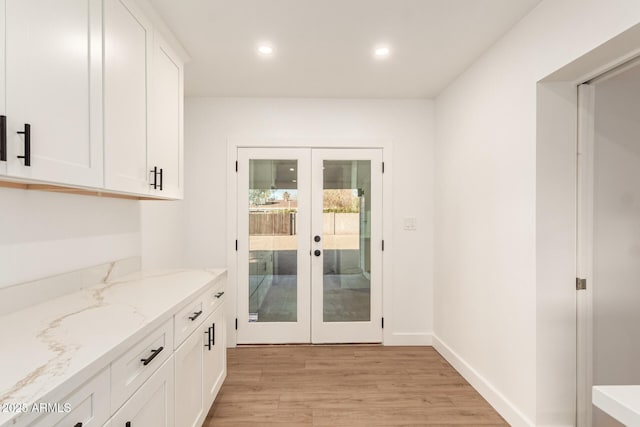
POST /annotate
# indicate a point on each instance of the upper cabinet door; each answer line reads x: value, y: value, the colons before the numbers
x: 54, y: 90
x: 166, y: 142
x: 127, y: 51
x: 3, y: 114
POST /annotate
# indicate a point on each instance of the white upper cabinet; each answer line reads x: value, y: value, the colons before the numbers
x: 127, y: 51
x: 90, y: 96
x: 166, y: 142
x: 3, y: 116
x: 53, y: 95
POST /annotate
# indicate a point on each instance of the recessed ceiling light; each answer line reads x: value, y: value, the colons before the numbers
x: 381, y: 52
x: 294, y: 180
x: 265, y: 50
x: 291, y: 169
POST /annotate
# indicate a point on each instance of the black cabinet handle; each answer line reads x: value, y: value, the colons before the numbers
x: 128, y: 424
x: 317, y: 252
x: 154, y: 171
x: 208, y: 344
x: 161, y: 175
x: 78, y: 425
x: 154, y: 353
x: 219, y: 294
x: 213, y: 334
x: 27, y: 144
x: 316, y: 239
x: 3, y: 138
x: 195, y: 315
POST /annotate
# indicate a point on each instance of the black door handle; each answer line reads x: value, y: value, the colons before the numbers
x: 208, y: 344
x: 27, y: 144
x: 154, y: 171
x: 161, y: 175
x: 128, y: 424
x: 213, y: 334
x: 317, y: 252
x: 3, y: 138
x: 316, y: 239
x: 154, y: 353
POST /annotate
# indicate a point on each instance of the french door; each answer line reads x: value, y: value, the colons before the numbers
x: 309, y: 245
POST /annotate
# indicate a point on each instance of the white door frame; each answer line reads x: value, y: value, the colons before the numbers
x: 233, y: 144
x: 584, y: 249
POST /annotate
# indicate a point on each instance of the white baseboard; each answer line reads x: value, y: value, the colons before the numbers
x: 496, y: 399
x: 408, y: 338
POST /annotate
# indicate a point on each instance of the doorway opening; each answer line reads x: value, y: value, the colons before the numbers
x: 309, y: 245
x: 608, y: 319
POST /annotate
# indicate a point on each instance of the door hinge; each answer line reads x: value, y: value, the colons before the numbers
x: 383, y: 323
x: 236, y: 166
x: 382, y: 167
x: 581, y: 284
x: 236, y: 245
x: 236, y: 323
x: 383, y: 246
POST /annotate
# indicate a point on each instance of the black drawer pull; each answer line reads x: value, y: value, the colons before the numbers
x: 195, y: 315
x: 78, y: 425
x: 128, y: 424
x: 213, y: 334
x: 219, y: 294
x: 161, y: 175
x: 3, y: 138
x: 27, y: 144
x: 154, y: 353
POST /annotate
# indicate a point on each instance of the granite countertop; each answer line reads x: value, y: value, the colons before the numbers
x: 50, y: 349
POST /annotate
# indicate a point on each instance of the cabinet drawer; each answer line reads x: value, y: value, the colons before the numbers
x: 134, y: 367
x: 88, y: 405
x: 189, y: 318
x: 214, y: 297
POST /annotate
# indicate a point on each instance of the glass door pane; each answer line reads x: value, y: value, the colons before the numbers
x: 273, y: 240
x: 346, y: 229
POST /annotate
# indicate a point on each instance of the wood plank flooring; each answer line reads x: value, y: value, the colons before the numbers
x: 345, y: 386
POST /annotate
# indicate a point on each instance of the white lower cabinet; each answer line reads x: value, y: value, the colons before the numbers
x: 190, y: 409
x: 215, y: 356
x: 200, y: 370
x: 89, y: 406
x: 152, y: 405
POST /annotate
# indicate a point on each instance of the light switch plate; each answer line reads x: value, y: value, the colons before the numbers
x: 410, y: 224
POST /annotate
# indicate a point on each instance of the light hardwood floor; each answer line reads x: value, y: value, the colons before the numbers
x: 345, y: 386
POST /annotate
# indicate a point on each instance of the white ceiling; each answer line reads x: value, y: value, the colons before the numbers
x: 324, y: 47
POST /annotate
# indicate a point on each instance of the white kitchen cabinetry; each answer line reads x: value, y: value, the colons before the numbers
x: 3, y: 114
x: 215, y: 356
x: 127, y: 51
x: 166, y: 142
x: 52, y: 90
x: 89, y: 406
x: 200, y: 370
x: 153, y: 404
x: 190, y: 409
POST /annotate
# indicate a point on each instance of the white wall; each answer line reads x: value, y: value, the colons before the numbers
x: 42, y: 234
x: 485, y: 286
x: 210, y: 122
